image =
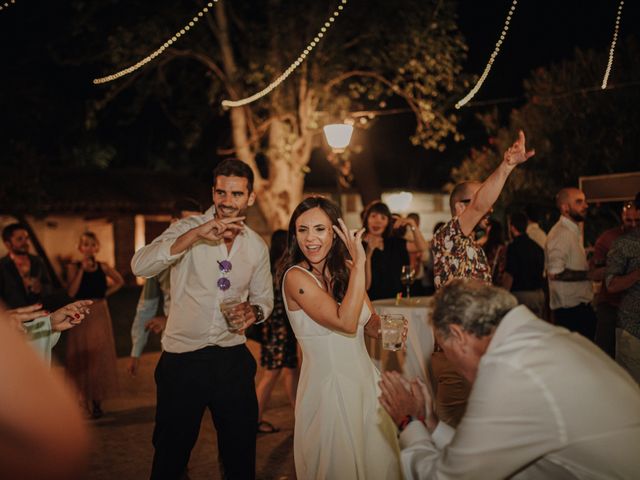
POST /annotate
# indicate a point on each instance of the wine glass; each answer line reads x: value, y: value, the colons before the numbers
x: 407, y: 276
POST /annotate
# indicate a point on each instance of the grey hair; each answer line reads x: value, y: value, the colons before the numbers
x: 476, y: 306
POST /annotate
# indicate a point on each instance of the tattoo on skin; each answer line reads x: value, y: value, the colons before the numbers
x: 569, y: 275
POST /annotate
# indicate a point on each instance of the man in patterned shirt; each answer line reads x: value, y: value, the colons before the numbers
x: 457, y: 255
x: 623, y: 275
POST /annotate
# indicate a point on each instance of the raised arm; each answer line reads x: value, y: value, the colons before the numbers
x: 160, y: 254
x: 490, y: 190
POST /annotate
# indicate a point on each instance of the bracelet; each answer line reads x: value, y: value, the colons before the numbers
x: 408, y: 419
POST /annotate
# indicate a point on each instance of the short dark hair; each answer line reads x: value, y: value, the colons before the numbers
x: 185, y: 204
x: 7, y: 232
x: 232, y: 167
x: 519, y: 221
x: 378, y: 206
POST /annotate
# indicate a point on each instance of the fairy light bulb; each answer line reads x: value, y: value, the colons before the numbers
x: 492, y: 58
x: 614, y: 40
x: 295, y: 64
x: 160, y: 50
x: 7, y: 4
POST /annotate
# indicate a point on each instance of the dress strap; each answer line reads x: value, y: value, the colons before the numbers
x: 305, y: 271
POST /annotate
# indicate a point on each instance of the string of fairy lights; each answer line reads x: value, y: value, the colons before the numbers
x: 492, y: 59
x: 159, y: 51
x: 301, y: 58
x: 605, y: 80
x: 316, y: 40
x: 4, y: 5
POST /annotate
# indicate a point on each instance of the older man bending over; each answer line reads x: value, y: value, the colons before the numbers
x: 545, y: 403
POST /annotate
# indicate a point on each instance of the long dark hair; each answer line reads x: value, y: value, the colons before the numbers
x: 378, y: 207
x: 278, y: 247
x: 335, y: 264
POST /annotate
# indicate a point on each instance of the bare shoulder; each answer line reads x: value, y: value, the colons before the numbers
x: 298, y: 284
x: 296, y: 276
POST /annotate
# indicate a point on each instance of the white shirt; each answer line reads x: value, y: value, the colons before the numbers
x: 536, y: 234
x: 546, y: 404
x: 564, y: 250
x: 195, y: 320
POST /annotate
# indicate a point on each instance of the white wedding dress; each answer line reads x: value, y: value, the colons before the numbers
x: 341, y: 431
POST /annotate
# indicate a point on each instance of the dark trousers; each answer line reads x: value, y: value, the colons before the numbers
x: 605, y: 337
x: 581, y: 319
x: 218, y: 378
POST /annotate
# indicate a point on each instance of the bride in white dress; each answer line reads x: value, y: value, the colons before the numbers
x: 341, y: 432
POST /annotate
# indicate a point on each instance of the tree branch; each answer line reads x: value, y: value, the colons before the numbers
x: 260, y: 131
x: 207, y: 62
x: 376, y: 76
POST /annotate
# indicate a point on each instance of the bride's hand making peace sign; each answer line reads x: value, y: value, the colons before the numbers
x: 353, y: 241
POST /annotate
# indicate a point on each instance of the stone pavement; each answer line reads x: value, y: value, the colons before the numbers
x: 122, y: 447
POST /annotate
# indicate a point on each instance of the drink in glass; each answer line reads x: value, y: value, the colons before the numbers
x: 407, y: 276
x: 233, y: 311
x: 392, y: 326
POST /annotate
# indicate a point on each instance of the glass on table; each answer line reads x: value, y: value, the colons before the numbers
x: 407, y: 277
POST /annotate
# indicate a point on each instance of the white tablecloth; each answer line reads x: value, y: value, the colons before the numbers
x: 419, y: 336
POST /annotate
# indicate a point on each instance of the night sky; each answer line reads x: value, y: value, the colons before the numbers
x: 542, y: 31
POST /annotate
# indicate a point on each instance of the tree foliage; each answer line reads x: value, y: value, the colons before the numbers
x: 376, y: 53
x: 576, y: 128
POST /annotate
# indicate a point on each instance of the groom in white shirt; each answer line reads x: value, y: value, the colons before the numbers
x: 545, y: 402
x: 204, y: 365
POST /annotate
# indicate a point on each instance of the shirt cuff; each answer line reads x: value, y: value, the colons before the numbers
x: 415, y: 432
x: 442, y: 435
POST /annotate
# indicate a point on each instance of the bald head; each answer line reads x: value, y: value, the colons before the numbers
x: 462, y: 193
x: 565, y: 195
x: 572, y: 204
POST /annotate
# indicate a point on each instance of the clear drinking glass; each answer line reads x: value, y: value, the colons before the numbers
x: 392, y: 326
x: 407, y: 276
x: 233, y: 311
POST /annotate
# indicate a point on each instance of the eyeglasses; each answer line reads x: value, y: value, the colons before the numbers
x: 225, y: 267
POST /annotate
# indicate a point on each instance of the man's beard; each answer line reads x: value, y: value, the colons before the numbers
x: 576, y: 217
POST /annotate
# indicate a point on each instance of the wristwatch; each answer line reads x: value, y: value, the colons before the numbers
x: 259, y: 313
